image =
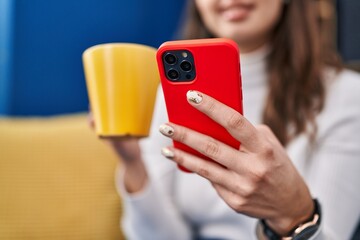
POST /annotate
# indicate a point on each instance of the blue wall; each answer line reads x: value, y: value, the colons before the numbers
x: 42, y: 41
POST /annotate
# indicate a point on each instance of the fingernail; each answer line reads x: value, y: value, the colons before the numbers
x: 166, y: 130
x: 194, y: 96
x: 167, y: 153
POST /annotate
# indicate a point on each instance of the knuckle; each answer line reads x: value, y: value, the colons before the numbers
x: 182, y: 135
x: 246, y: 191
x: 235, y: 121
x: 211, y: 107
x: 238, y: 204
x: 267, y: 151
x: 179, y: 158
x: 211, y: 149
x: 258, y: 176
x: 204, y: 172
x: 263, y: 128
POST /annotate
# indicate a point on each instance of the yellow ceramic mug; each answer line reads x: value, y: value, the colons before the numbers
x: 122, y: 80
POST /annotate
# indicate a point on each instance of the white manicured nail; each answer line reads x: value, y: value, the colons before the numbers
x: 194, y: 96
x: 166, y: 130
x: 167, y: 152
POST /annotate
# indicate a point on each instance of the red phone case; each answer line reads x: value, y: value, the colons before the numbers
x: 217, y: 69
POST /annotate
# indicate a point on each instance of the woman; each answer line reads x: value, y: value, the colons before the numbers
x: 299, y: 139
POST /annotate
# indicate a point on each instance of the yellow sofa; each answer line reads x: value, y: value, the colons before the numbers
x: 56, y: 181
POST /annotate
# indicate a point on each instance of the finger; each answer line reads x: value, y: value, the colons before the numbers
x: 243, y: 205
x: 233, y: 200
x: 207, y: 169
x: 237, y: 125
x: 268, y: 133
x: 208, y: 146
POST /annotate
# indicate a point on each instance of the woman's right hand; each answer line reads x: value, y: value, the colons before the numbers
x: 129, y: 153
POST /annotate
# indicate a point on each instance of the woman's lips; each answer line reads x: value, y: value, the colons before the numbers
x: 237, y: 13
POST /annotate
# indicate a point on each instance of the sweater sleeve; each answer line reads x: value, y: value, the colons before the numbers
x: 152, y: 213
x: 334, y: 165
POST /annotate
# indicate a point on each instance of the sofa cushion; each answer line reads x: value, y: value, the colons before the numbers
x: 56, y: 181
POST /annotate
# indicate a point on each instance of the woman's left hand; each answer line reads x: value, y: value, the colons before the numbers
x: 259, y: 179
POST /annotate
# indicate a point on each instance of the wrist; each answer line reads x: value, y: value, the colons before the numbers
x: 127, y: 149
x: 284, y: 225
x: 304, y: 230
x: 135, y: 176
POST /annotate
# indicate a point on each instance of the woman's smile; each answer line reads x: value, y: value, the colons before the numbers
x: 237, y: 12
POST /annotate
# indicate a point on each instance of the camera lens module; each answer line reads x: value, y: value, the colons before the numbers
x: 173, y: 74
x: 179, y: 65
x: 186, y: 66
x: 170, y: 58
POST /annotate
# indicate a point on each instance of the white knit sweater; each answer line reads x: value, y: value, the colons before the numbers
x: 174, y: 204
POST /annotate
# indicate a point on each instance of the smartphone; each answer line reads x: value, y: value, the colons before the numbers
x: 211, y: 66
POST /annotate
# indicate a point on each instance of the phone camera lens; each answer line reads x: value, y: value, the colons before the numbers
x: 173, y: 74
x: 186, y: 66
x: 170, y: 58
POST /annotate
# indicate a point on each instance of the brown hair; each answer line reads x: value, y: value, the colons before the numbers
x: 295, y: 67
